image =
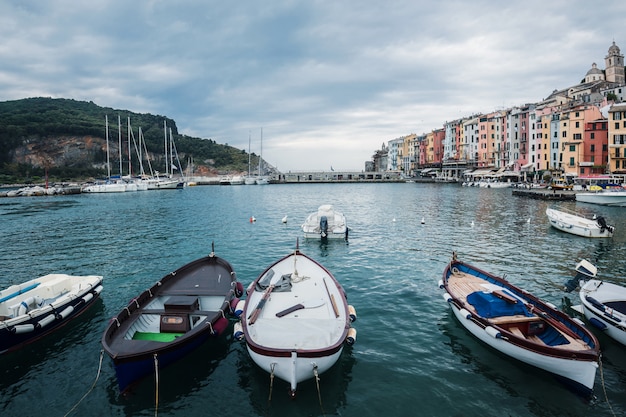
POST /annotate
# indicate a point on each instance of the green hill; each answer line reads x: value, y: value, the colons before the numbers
x: 67, y: 138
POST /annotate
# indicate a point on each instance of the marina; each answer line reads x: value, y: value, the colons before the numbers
x: 410, y: 350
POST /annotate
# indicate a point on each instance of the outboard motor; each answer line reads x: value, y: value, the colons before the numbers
x: 323, y: 226
x: 602, y: 223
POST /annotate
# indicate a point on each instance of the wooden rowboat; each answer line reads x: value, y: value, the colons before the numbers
x: 521, y: 326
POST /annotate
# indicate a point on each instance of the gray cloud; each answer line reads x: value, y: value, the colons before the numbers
x: 328, y: 82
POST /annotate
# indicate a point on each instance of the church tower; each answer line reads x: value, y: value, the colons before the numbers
x: 614, y: 64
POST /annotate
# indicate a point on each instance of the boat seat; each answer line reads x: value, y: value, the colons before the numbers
x: 513, y: 319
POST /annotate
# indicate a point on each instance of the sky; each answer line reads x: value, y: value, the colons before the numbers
x: 309, y: 84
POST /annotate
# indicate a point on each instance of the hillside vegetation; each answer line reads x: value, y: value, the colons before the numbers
x: 67, y: 138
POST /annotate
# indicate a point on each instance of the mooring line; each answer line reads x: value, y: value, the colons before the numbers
x: 319, y: 392
x: 606, y: 397
x: 92, y: 385
x: 156, y: 385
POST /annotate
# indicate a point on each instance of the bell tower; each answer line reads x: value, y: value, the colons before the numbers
x: 614, y: 64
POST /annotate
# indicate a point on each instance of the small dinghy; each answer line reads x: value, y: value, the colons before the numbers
x: 174, y: 316
x: 296, y: 320
x: 602, y: 303
x: 325, y: 223
x: 522, y: 326
x: 579, y: 225
x: 31, y: 310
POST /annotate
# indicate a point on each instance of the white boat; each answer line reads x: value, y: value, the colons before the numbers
x: 35, y: 308
x: 605, y: 197
x: 108, y: 186
x: 162, y: 183
x: 521, y: 326
x: 296, y: 320
x: 602, y: 303
x: 578, y: 224
x: 325, y: 223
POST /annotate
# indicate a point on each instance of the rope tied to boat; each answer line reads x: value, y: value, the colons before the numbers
x: 269, y: 398
x: 156, y: 385
x: 92, y: 385
x: 319, y: 392
x: 606, y: 397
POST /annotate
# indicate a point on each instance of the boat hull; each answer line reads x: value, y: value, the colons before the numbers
x: 17, y: 332
x: 577, y: 225
x: 601, y: 301
x: 521, y: 326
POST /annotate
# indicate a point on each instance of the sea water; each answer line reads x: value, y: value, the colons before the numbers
x: 411, y: 357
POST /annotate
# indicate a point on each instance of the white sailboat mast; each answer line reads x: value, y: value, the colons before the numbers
x: 106, y: 121
x: 130, y: 171
x: 249, y: 144
x: 165, y: 144
x: 119, y: 131
x: 261, y: 155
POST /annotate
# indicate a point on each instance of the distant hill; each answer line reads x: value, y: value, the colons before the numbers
x: 67, y: 138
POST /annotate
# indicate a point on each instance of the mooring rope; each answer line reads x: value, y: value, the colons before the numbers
x: 319, y: 392
x: 156, y: 385
x: 92, y: 385
x: 606, y: 397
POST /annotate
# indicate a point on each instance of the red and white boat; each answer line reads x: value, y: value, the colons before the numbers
x: 296, y: 319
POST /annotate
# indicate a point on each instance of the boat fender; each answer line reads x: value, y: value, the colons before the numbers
x: 23, y: 328
x: 66, y: 312
x: 239, y: 308
x: 597, y: 324
x: 219, y: 326
x: 87, y: 297
x: 238, y: 331
x: 238, y: 289
x: 441, y: 285
x: 463, y: 312
x: 98, y: 290
x: 493, y: 332
x: 552, y: 306
x: 579, y: 321
x: 233, y: 305
x: 45, y: 321
x: 351, y: 337
x: 352, y: 312
x: 447, y: 297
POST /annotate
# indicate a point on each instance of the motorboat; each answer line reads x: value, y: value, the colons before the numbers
x: 605, y: 197
x: 578, y: 224
x: 325, y: 223
x: 602, y: 303
x: 35, y: 308
x: 296, y: 319
x: 521, y: 326
x: 174, y: 316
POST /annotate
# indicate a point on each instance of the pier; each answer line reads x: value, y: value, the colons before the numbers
x: 546, y: 194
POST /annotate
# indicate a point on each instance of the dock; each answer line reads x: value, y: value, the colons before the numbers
x: 545, y: 194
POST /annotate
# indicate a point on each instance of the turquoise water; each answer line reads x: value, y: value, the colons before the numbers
x: 411, y: 356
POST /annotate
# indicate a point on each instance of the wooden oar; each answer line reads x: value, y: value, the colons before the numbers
x: 255, y: 314
x: 332, y: 299
x: 304, y: 304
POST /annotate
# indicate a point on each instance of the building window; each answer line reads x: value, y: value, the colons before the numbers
x: 593, y: 148
x: 571, y: 162
x: 577, y: 123
x: 572, y: 148
x: 592, y: 135
x: 617, y: 116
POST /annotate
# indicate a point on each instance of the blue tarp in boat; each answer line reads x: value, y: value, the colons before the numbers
x: 489, y: 305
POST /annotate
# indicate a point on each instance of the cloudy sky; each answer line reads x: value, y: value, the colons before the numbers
x: 327, y: 82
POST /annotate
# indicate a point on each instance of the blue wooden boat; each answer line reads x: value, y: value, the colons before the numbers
x: 521, y: 325
x: 35, y: 308
x: 171, y: 318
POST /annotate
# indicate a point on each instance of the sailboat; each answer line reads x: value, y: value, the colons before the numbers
x: 110, y: 185
x: 249, y: 180
x: 157, y: 182
x: 259, y: 179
